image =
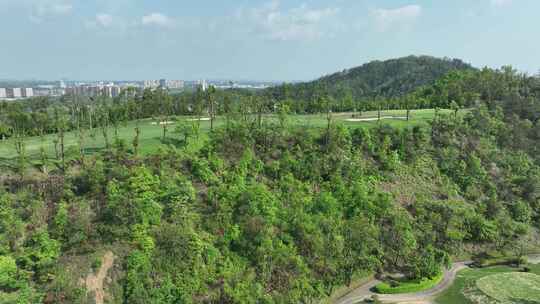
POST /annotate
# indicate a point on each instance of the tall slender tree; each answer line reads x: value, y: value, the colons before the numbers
x: 210, y: 95
x: 61, y: 124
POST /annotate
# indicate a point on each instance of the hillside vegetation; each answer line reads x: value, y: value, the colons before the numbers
x: 258, y: 209
x: 151, y: 132
x: 377, y: 79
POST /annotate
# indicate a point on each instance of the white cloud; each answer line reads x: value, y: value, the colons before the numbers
x: 49, y: 9
x: 158, y: 19
x: 301, y: 23
x: 104, y: 20
x: 500, y: 3
x: 401, y: 16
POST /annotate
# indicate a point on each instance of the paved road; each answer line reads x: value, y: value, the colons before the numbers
x: 425, y: 297
x: 364, y: 292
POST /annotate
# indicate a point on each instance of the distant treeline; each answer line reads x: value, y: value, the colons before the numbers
x: 457, y: 89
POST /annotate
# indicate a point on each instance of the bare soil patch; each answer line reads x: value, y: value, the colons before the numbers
x: 161, y: 123
x: 374, y: 118
x: 201, y: 119
x: 94, y: 282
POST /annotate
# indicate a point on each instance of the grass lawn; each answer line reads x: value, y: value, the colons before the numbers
x: 150, y: 137
x: 523, y: 287
x: 467, y: 279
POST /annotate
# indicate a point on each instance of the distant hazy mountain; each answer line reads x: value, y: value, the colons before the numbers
x: 390, y: 78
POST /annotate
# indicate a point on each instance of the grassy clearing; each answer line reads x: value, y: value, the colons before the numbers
x: 409, y: 286
x: 466, y: 279
x: 523, y: 287
x: 150, y: 137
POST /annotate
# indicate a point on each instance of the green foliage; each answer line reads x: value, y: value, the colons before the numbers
x: 485, y: 260
x: 8, y: 273
x: 40, y: 254
x: 391, y: 78
x: 409, y: 286
x: 269, y: 207
x: 61, y: 220
x: 134, y: 201
x: 138, y: 281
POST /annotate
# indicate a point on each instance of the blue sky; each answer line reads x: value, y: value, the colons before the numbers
x: 255, y: 39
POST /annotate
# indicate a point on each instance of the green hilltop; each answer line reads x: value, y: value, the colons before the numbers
x: 389, y: 79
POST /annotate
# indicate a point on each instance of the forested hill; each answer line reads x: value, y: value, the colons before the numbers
x: 259, y: 208
x: 390, y: 78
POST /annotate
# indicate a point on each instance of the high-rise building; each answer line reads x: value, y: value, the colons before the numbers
x: 94, y: 90
x: 115, y: 91
x: 203, y: 85
x: 110, y: 91
x: 163, y: 83
x: 17, y: 92
x: 151, y: 84
x: 42, y: 92
x: 3, y: 93
x: 175, y: 84
x: 27, y: 92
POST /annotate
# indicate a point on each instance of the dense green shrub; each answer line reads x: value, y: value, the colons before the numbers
x: 409, y: 286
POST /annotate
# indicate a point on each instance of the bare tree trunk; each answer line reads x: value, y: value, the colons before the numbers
x: 211, y: 114
x: 42, y: 152
x: 21, y: 151
x: 136, y: 140
x: 82, y: 145
x: 105, y: 136
x: 329, y: 124
x: 164, y: 127
x: 62, y: 149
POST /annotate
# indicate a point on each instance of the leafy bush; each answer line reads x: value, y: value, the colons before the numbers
x: 490, y: 261
x: 8, y: 272
x: 409, y: 286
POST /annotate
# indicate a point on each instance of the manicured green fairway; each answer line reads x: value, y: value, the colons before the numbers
x: 466, y: 281
x: 515, y: 286
x: 150, y: 137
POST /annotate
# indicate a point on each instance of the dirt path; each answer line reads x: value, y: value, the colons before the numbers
x: 94, y: 282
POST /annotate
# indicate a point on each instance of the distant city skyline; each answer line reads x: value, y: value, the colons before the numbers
x: 20, y: 89
x: 262, y: 40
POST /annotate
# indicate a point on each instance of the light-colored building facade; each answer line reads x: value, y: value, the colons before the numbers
x: 16, y: 92
x: 164, y: 83
x: 13, y: 93
x: 203, y: 84
x: 85, y: 90
x: 27, y: 92
x: 151, y: 84
x: 175, y: 84
x: 111, y: 91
